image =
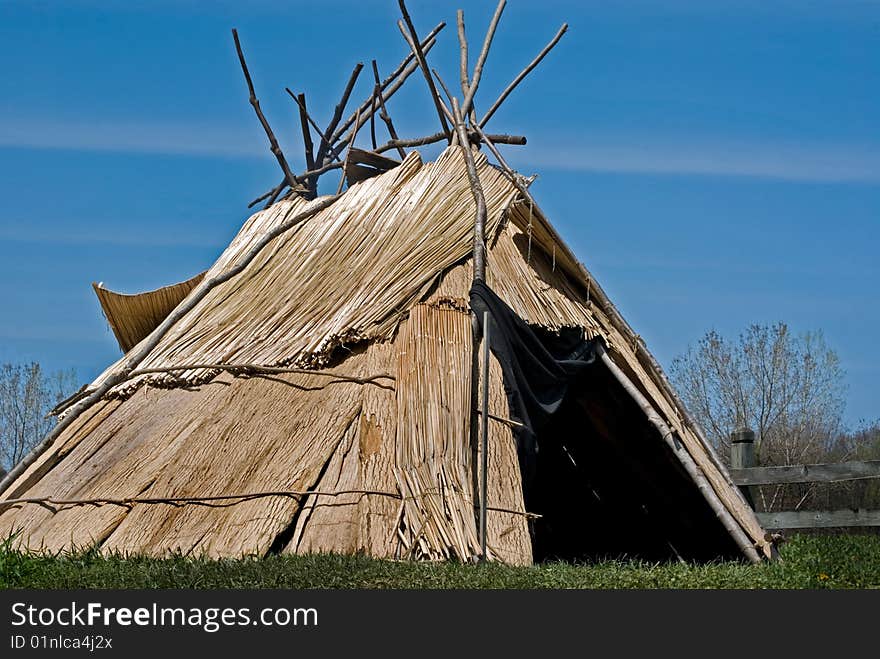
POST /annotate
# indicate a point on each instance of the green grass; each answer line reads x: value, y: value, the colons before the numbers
x: 808, y: 562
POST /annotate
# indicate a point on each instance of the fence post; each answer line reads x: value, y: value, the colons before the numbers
x: 742, y: 455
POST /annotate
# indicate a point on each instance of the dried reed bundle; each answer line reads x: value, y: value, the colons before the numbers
x: 133, y: 317
x: 347, y: 275
x: 352, y: 274
x: 433, y: 463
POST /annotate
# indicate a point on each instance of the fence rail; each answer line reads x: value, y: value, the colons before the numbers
x: 747, y: 476
x: 819, y: 519
x: 814, y: 473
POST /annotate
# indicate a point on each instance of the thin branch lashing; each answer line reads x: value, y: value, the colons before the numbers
x: 145, y: 347
x: 414, y: 43
x: 398, y: 77
x: 330, y: 166
x: 327, y: 136
x: 479, y: 253
x: 226, y: 500
x: 273, y: 143
x: 481, y: 60
x: 246, y: 368
x: 523, y: 74
x: 351, y: 140
x: 383, y: 112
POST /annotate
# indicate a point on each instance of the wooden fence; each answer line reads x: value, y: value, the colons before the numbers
x: 746, y: 475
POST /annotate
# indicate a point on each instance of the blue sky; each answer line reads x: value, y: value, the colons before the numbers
x: 714, y: 164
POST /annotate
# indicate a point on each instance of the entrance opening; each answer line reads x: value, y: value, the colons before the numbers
x: 608, y: 486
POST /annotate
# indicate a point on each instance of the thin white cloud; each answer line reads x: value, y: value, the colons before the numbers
x: 818, y: 162
x: 803, y: 162
x: 141, y: 239
x: 149, y: 137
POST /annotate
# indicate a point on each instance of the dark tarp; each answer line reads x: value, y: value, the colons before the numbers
x: 537, y: 369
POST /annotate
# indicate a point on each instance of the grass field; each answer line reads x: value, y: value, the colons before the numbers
x: 808, y: 562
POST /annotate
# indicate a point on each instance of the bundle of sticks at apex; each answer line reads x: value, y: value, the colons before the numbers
x: 332, y: 147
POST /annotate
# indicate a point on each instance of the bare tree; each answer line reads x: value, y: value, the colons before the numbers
x: 789, y: 389
x: 863, y: 443
x: 26, y: 396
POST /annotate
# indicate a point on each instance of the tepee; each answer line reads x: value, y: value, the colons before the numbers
x: 330, y: 383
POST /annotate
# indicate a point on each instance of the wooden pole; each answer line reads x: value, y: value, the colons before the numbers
x: 351, y: 140
x: 327, y: 136
x: 383, y: 112
x: 479, y: 251
x: 742, y: 456
x: 363, y: 112
x: 443, y: 86
x: 484, y: 437
x: 518, y: 140
x: 523, y: 74
x: 681, y: 453
x: 481, y: 60
x: 463, y: 54
x: 479, y: 259
x: 308, y: 147
x: 416, y: 46
x: 255, y: 103
x: 312, y: 122
x: 397, y: 77
x: 374, y: 106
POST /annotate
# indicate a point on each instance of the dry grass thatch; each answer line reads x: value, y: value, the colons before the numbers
x: 133, y: 317
x: 376, y: 283
x: 347, y: 275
